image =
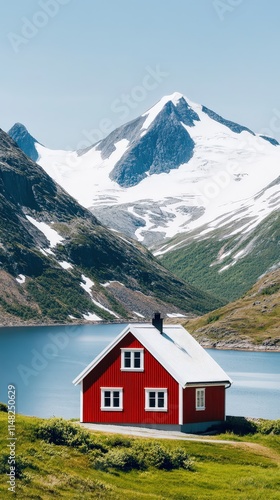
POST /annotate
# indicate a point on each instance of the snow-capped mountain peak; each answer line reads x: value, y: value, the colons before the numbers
x: 176, y: 168
x: 175, y: 99
x: 156, y: 108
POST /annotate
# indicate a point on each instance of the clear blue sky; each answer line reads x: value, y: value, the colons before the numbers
x: 67, y: 70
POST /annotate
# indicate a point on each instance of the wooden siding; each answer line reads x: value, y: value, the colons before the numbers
x: 214, y: 405
x: 108, y: 374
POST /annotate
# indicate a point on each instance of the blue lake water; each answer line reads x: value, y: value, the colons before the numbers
x: 42, y: 362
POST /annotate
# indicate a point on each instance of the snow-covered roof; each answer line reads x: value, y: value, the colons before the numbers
x: 175, y: 349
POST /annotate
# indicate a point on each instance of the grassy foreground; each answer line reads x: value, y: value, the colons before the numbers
x: 247, y: 470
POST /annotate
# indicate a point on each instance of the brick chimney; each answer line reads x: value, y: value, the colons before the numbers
x: 157, y: 321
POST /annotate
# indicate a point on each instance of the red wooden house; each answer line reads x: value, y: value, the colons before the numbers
x: 154, y: 376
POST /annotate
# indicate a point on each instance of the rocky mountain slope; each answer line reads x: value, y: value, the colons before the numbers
x: 58, y: 263
x: 24, y: 140
x: 252, y: 322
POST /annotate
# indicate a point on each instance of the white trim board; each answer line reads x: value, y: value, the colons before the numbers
x: 180, y: 399
x: 82, y: 402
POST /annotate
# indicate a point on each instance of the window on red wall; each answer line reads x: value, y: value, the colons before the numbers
x: 132, y: 360
x: 111, y: 398
x: 155, y: 399
x: 200, y: 399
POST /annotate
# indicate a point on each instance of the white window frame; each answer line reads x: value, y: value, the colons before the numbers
x: 148, y: 390
x: 132, y: 368
x: 200, y: 399
x: 111, y: 390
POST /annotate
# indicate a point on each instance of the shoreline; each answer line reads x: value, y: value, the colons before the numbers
x: 248, y: 347
x: 236, y: 347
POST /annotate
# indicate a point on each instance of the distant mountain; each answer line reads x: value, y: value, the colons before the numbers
x: 58, y: 263
x: 250, y: 322
x: 202, y: 192
x: 24, y: 140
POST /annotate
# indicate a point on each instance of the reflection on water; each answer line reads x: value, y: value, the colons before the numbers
x: 42, y: 362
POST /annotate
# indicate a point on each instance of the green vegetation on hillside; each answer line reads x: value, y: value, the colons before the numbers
x: 252, y: 320
x: 58, y: 459
x: 19, y: 310
x: 59, y: 295
x: 197, y: 260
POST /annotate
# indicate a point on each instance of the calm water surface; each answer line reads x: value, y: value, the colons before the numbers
x: 42, y: 362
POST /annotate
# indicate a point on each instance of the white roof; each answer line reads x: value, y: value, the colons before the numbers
x: 175, y: 349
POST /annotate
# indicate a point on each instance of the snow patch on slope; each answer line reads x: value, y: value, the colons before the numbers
x: 138, y: 314
x: 104, y: 308
x: 91, y: 317
x: 85, y: 177
x: 108, y: 283
x: 52, y: 236
x: 20, y: 279
x: 65, y: 265
x: 86, y: 284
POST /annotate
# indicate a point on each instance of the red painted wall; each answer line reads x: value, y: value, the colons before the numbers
x: 108, y: 374
x: 214, y: 405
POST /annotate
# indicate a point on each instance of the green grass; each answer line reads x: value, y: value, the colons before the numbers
x: 220, y: 471
x: 254, y: 317
x: 271, y: 290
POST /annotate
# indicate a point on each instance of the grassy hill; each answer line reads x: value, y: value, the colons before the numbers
x: 250, y: 322
x: 72, y: 468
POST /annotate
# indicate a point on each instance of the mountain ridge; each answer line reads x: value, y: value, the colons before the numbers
x: 65, y: 264
x: 134, y: 158
x: 213, y: 204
